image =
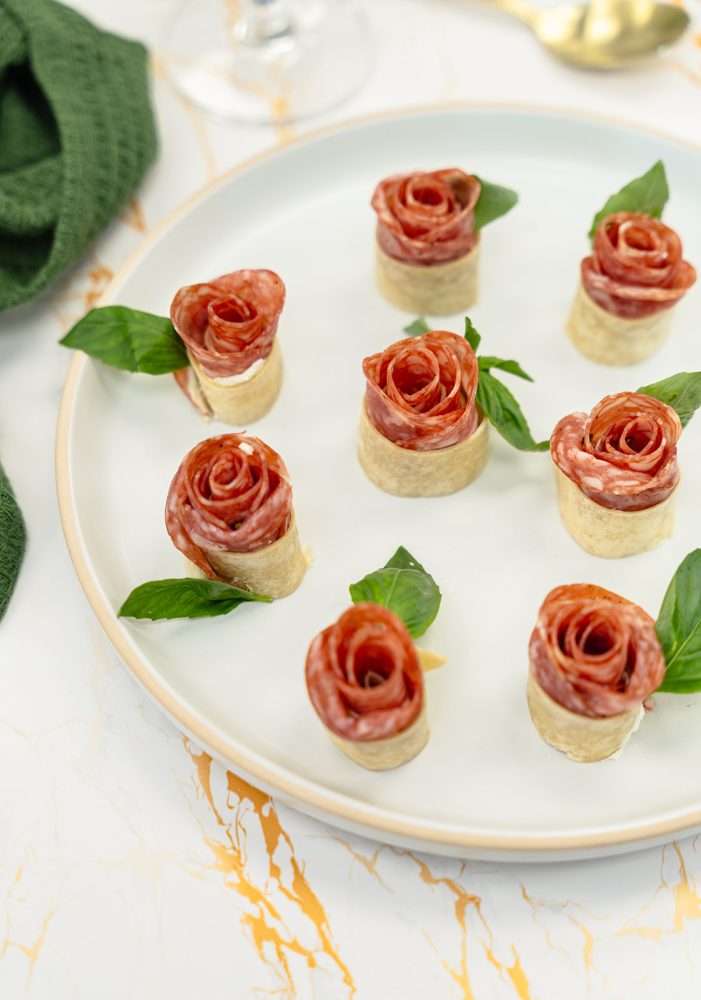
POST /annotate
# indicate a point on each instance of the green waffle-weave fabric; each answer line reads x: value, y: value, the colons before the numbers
x: 12, y: 541
x: 76, y: 136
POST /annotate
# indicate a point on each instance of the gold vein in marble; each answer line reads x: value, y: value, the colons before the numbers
x: 133, y: 215
x: 369, y: 864
x: 81, y: 293
x: 159, y: 64
x: 264, y: 921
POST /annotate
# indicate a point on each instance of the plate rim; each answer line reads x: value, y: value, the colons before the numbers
x: 300, y: 791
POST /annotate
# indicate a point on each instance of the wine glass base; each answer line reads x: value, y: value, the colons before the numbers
x: 313, y: 66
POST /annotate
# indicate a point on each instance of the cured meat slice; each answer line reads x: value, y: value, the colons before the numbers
x: 595, y: 653
x: 420, y: 393
x: 426, y: 218
x: 363, y: 675
x: 636, y: 268
x: 623, y: 455
x: 231, y: 494
x: 228, y: 324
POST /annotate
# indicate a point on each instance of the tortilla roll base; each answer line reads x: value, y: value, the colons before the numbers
x: 243, y: 402
x: 580, y: 737
x: 429, y: 289
x: 407, y: 473
x: 613, y: 534
x: 273, y: 571
x: 392, y: 751
x: 610, y: 340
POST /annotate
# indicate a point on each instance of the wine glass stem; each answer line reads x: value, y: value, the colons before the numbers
x: 264, y: 21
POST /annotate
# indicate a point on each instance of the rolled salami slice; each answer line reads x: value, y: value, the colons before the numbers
x: 617, y: 473
x: 594, y: 659
x: 421, y: 433
x: 427, y: 247
x: 228, y: 326
x: 365, y: 683
x: 229, y: 511
x: 633, y: 277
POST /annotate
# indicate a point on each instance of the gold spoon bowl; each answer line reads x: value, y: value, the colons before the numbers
x: 604, y: 34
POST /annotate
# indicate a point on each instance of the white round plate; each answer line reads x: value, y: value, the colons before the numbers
x: 486, y: 786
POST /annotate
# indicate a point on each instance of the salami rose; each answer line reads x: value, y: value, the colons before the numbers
x: 229, y: 323
x: 595, y: 653
x: 636, y: 267
x: 623, y: 455
x: 420, y: 393
x: 363, y: 675
x: 426, y: 218
x: 231, y: 494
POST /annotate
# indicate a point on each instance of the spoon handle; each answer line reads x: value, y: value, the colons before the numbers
x: 517, y: 8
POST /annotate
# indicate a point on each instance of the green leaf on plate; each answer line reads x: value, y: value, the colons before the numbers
x: 403, y: 586
x: 493, y: 202
x: 679, y: 628
x: 417, y: 327
x: 488, y: 361
x: 647, y: 194
x: 129, y: 339
x: 504, y: 413
x: 471, y: 335
x: 184, y: 598
x: 682, y: 392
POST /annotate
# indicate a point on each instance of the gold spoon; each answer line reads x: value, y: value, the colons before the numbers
x: 604, y: 34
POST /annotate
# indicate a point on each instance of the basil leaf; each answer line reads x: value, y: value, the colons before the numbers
x: 417, y: 327
x: 513, y: 367
x: 129, y: 339
x: 504, y: 413
x: 184, y: 598
x: 647, y: 194
x: 682, y: 392
x: 679, y: 628
x: 471, y: 336
x: 493, y: 202
x: 403, y: 586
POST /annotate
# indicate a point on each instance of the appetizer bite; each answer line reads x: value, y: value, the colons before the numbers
x: 595, y: 659
x: 423, y: 424
x: 365, y: 676
x: 366, y: 685
x: 427, y: 238
x: 633, y: 277
x: 616, y: 468
x: 229, y: 511
x: 228, y: 326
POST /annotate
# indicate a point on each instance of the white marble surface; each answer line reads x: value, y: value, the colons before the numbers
x: 131, y: 865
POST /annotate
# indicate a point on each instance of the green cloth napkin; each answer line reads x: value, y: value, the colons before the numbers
x: 12, y: 541
x: 76, y: 135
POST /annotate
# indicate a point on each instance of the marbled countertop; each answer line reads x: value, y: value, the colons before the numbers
x: 131, y: 864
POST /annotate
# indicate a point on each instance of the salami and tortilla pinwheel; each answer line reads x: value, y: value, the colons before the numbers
x: 594, y: 660
x: 421, y: 433
x: 365, y: 682
x: 633, y: 277
x: 229, y: 326
x: 617, y: 473
x: 229, y: 511
x: 427, y: 247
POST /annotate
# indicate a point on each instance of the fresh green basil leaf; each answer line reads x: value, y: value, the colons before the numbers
x: 504, y: 413
x: 487, y: 361
x: 403, y: 586
x: 493, y: 202
x: 184, y: 598
x: 417, y: 327
x: 647, y: 194
x: 471, y: 335
x: 679, y: 628
x: 129, y: 339
x: 682, y: 392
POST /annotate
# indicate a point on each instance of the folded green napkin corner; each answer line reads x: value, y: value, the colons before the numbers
x: 76, y: 135
x: 12, y: 541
